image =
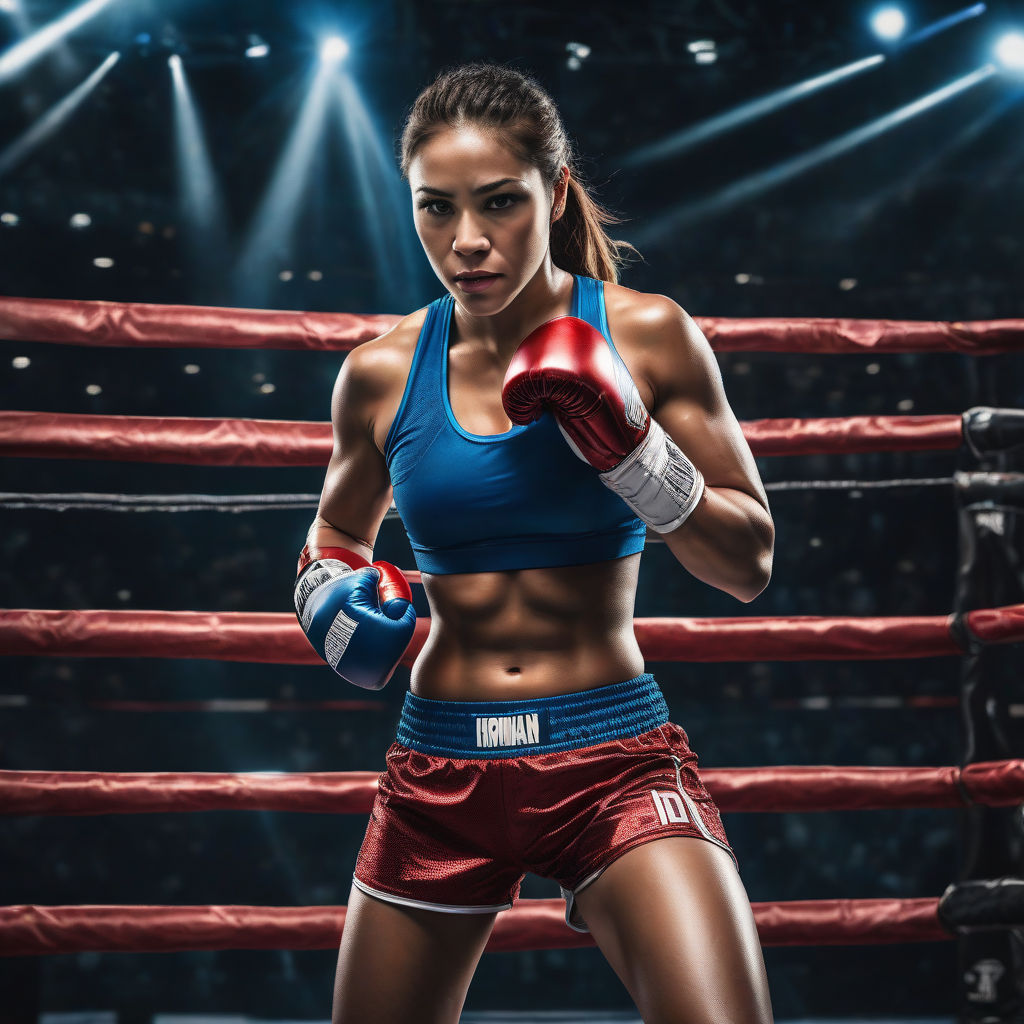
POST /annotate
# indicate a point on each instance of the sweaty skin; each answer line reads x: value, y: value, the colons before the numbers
x: 534, y: 632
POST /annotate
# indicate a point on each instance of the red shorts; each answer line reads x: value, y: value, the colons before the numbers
x: 458, y: 834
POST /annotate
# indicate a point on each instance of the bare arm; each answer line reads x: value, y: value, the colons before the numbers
x: 728, y: 539
x: 357, y: 489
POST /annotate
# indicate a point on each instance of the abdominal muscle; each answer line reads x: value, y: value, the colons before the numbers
x: 529, y: 633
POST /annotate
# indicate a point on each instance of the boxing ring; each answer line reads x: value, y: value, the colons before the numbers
x: 965, y: 907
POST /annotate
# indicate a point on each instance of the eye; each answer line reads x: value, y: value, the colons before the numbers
x: 437, y: 207
x: 505, y: 201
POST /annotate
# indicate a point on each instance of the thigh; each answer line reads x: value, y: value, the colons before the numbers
x: 673, y: 919
x: 399, y: 964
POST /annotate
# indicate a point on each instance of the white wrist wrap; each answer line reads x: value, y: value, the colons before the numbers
x: 657, y: 481
x: 316, y: 574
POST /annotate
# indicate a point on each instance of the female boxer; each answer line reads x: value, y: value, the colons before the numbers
x: 532, y: 424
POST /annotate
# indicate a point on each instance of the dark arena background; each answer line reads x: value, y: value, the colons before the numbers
x: 834, y: 191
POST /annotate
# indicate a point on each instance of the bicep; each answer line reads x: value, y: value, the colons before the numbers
x: 693, y: 409
x: 357, y: 488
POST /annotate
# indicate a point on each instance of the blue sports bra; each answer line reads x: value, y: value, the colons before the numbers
x: 497, y: 502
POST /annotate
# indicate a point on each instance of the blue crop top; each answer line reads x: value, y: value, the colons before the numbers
x: 495, y: 502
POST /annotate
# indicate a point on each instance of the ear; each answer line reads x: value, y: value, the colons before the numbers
x: 559, y: 193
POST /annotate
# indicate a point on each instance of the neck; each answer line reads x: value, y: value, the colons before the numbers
x: 544, y: 296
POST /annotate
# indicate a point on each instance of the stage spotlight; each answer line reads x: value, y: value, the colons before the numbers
x: 333, y: 50
x: 174, y: 62
x: 701, y: 45
x: 8, y: 6
x: 578, y: 53
x: 888, y: 23
x: 706, y: 56
x: 1010, y: 51
x: 80, y: 221
x: 256, y: 47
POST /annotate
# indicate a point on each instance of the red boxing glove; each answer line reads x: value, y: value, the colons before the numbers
x: 568, y: 365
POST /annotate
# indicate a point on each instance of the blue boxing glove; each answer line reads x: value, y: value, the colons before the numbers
x: 358, y: 617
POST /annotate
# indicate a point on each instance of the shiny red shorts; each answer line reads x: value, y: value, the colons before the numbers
x: 458, y: 834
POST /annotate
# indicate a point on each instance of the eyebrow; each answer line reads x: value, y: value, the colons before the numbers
x: 477, y: 191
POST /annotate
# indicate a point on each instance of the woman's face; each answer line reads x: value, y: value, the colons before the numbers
x: 482, y: 214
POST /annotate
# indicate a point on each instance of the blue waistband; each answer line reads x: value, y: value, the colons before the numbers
x: 512, y: 728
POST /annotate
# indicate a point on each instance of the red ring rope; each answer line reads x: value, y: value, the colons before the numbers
x: 531, y: 924
x: 233, y: 442
x: 275, y: 637
x: 73, y: 322
x: 804, y: 788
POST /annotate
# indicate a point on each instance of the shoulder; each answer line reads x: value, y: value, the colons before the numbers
x: 647, y: 320
x: 659, y: 341
x: 372, y: 371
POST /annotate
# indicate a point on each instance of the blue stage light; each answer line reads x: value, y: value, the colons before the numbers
x: 1010, y: 51
x: 256, y: 47
x: 889, y: 23
x: 333, y: 50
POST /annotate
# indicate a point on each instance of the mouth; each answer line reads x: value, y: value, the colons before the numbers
x: 475, y: 280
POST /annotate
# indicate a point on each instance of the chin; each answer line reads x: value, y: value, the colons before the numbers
x: 485, y: 303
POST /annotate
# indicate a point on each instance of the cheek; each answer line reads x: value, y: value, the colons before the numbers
x: 532, y: 232
x: 430, y: 238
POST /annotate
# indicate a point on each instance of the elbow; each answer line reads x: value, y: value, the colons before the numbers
x: 752, y: 588
x: 757, y: 578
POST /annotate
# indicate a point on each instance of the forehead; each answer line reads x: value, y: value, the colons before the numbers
x: 468, y: 155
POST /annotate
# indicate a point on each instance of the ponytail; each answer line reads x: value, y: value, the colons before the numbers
x: 579, y: 242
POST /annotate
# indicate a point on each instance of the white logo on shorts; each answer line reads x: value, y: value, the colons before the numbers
x: 508, y: 731
x: 669, y: 806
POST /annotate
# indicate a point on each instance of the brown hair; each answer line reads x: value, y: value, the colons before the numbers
x: 504, y: 99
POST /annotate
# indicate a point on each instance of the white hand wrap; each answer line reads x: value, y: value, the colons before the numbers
x: 318, y: 572
x: 657, y: 481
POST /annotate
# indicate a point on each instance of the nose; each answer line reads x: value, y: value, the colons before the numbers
x: 469, y: 236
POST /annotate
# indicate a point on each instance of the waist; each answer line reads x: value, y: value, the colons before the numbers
x: 535, y: 725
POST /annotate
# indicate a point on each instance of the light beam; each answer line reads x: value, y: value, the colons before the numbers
x: 687, y: 138
x: 869, y: 208
x: 199, y: 200
x: 943, y: 23
x: 54, y: 118
x: 755, y: 184
x: 384, y: 202
x: 24, y: 53
x: 268, y: 240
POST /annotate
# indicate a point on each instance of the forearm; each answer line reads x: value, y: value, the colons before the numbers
x: 322, y: 534
x: 727, y: 542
